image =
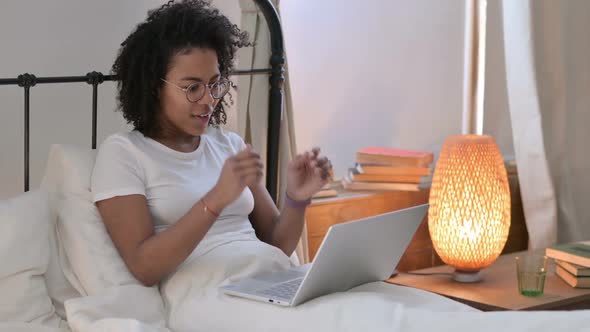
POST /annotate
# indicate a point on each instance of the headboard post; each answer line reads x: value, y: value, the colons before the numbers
x: 26, y: 81
x: 94, y: 78
x: 277, y: 62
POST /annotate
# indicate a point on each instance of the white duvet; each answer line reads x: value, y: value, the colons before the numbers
x: 190, y: 301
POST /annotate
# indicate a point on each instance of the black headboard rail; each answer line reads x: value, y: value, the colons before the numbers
x: 94, y: 78
x: 275, y: 107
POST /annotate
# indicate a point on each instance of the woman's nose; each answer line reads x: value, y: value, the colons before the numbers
x: 207, y: 97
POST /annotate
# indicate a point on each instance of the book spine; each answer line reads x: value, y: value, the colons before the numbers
x: 391, y: 161
x: 570, y: 279
x: 563, y: 274
x: 576, y: 270
x: 392, y: 170
x: 567, y: 257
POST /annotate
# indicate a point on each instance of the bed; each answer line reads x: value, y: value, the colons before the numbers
x: 70, y: 277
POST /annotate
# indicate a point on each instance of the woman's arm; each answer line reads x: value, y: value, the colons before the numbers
x: 149, y: 256
x: 280, y: 230
x: 306, y: 175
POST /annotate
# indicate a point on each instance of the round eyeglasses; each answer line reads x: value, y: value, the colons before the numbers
x: 196, y: 91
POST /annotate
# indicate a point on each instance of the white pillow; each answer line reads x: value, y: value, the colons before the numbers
x: 89, y: 248
x: 68, y: 169
x: 24, y: 239
x: 92, y: 263
x: 63, y: 160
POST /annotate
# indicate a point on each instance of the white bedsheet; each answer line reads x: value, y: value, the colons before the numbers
x: 192, y: 302
x: 128, y: 308
x: 27, y: 327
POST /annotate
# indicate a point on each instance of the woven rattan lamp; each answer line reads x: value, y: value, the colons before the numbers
x: 469, y: 214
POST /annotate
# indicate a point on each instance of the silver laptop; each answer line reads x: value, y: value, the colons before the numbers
x: 352, y: 253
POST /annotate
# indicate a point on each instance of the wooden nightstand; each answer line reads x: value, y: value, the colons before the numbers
x: 350, y: 205
x: 325, y: 212
x: 499, y: 289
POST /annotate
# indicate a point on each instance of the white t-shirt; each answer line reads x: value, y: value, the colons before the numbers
x: 172, y: 181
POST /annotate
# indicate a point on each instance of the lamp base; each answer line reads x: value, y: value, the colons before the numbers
x: 467, y: 276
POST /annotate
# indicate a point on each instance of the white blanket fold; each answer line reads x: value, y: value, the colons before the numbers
x: 196, y: 304
x: 191, y: 301
x: 29, y: 327
x: 128, y: 308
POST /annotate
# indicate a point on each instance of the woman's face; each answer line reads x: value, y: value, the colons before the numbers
x: 180, y: 117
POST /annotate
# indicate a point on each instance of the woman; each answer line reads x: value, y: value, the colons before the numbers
x: 183, y: 201
x: 178, y: 184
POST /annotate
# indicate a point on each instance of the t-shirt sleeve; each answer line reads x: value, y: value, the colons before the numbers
x: 237, y: 142
x: 116, y: 171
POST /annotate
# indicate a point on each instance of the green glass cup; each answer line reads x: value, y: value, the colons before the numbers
x: 531, y: 271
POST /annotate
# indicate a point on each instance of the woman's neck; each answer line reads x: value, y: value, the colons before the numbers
x: 179, y: 142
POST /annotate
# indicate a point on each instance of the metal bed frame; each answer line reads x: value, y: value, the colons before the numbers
x: 275, y: 106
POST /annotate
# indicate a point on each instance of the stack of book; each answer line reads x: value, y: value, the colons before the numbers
x: 389, y: 169
x: 572, y: 263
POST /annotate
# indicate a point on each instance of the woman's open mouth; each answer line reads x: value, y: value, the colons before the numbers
x: 202, y: 117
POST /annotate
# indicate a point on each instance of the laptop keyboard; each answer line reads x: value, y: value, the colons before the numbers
x: 284, y: 290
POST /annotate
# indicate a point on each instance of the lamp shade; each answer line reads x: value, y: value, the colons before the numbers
x: 469, y: 213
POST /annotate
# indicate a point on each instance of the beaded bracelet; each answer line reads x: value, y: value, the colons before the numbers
x: 299, y: 205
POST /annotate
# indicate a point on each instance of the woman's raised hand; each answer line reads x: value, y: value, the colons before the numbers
x: 307, y: 173
x: 244, y: 169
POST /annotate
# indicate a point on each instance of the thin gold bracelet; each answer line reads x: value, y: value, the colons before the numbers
x: 207, y: 209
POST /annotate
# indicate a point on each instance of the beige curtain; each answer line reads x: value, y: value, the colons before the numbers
x: 253, y: 103
x: 547, y: 55
x: 535, y: 183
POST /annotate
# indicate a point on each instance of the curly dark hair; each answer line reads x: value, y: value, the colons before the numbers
x: 145, y: 55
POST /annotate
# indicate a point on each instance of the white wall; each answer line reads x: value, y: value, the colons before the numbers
x: 57, y: 38
x: 374, y: 72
